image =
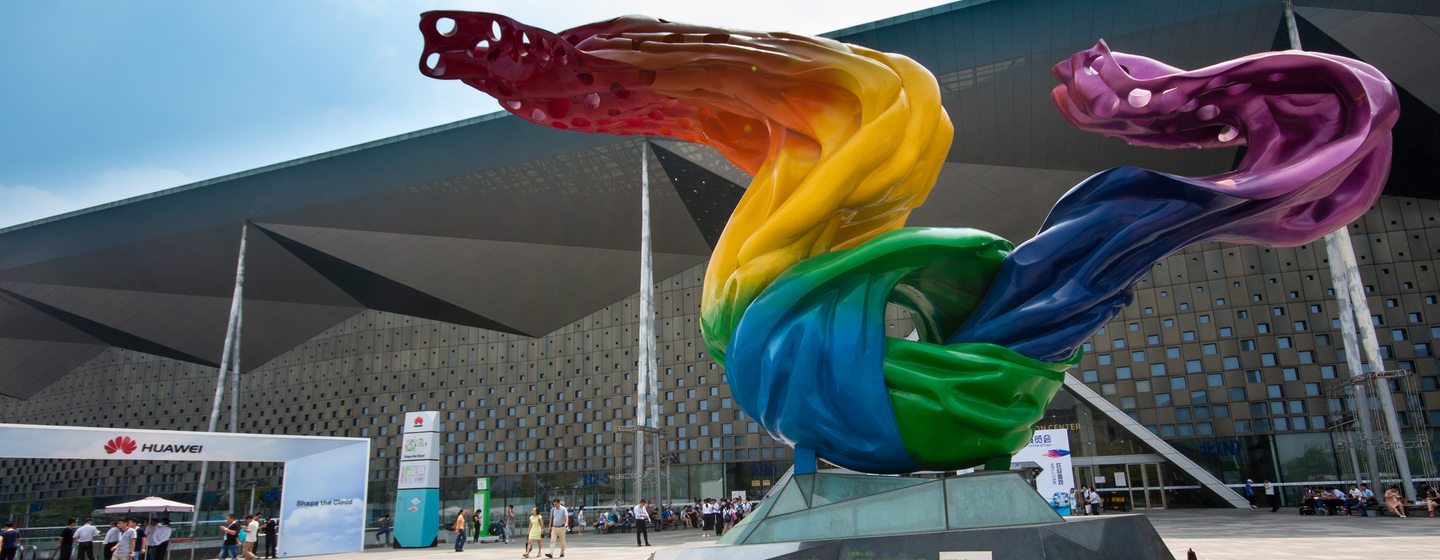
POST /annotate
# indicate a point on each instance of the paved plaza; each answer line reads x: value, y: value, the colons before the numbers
x: 1212, y: 534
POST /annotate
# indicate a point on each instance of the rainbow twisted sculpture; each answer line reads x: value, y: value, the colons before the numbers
x: 844, y: 141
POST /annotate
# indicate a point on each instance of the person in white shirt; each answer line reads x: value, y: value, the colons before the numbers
x: 252, y: 534
x: 1270, y: 495
x: 85, y: 541
x: 111, y: 537
x: 559, y: 523
x: 125, y: 544
x: 642, y: 517
x: 160, y: 540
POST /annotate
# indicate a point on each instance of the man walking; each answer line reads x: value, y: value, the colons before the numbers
x: 231, y: 537
x: 252, y: 535
x: 641, y: 513
x: 1270, y: 495
x: 85, y: 541
x: 125, y: 547
x: 1250, y: 492
x: 382, y: 529
x: 559, y: 522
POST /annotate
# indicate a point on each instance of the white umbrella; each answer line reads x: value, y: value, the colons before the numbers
x: 150, y: 505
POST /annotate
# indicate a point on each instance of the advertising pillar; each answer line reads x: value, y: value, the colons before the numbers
x: 1051, y: 450
x: 482, y: 504
x: 417, y: 502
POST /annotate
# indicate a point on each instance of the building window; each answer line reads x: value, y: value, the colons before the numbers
x: 1275, y: 391
x: 1193, y: 366
x: 1230, y: 362
x: 1267, y: 359
x: 1162, y: 399
x: 1157, y: 369
x: 1237, y: 394
x: 1122, y: 372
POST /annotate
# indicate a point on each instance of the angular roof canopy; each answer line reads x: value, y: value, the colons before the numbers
x: 496, y: 223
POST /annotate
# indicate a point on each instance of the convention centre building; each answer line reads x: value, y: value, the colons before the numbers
x: 489, y: 270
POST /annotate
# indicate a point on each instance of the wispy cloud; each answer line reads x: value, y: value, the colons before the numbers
x: 25, y: 203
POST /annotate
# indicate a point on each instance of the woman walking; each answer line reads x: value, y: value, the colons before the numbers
x: 537, y: 532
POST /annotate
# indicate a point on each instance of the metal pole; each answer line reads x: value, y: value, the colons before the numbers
x: 1354, y: 312
x: 235, y: 376
x: 644, y: 386
x: 230, y: 332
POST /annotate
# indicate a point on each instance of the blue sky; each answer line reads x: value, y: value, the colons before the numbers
x: 101, y: 101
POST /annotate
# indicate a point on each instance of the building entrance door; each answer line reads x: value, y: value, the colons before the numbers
x: 1147, y: 487
x: 1127, y: 483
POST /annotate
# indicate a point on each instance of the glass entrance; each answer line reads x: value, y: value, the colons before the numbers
x: 1126, y: 486
x: 1146, y: 487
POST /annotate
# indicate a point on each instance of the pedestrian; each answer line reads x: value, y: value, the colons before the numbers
x: 459, y: 528
x: 559, y: 524
x: 9, y: 542
x: 125, y: 545
x: 642, y: 518
x: 141, y: 541
x: 160, y: 540
x: 1431, y: 497
x: 1095, y: 502
x: 85, y: 540
x: 580, y: 520
x: 479, y: 518
x: 112, y: 537
x: 252, y: 535
x: 509, y: 523
x: 230, y: 540
x: 537, y: 532
x: 1271, y: 496
x: 1250, y: 492
x: 382, y: 528
x: 67, y: 540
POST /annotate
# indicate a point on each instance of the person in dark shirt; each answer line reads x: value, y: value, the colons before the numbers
x: 271, y: 531
x: 9, y: 542
x: 141, y: 543
x: 229, y: 548
x: 67, y: 540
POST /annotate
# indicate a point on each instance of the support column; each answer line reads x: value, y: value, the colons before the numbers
x: 232, y: 337
x: 646, y: 407
x: 1350, y: 297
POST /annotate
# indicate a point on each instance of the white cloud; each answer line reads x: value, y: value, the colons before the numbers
x: 24, y: 203
x: 323, y: 529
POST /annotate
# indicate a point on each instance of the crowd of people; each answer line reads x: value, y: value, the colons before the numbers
x: 713, y: 516
x: 126, y: 539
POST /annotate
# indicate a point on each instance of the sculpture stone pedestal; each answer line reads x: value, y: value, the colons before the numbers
x: 843, y: 516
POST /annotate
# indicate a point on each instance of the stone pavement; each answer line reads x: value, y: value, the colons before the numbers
x: 1230, y: 534
x: 1214, y: 534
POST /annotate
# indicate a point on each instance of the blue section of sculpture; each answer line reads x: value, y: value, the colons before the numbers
x: 1054, y: 291
x: 417, y: 517
x: 807, y: 363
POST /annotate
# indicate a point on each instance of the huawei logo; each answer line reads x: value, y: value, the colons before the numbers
x: 419, y: 421
x: 122, y: 444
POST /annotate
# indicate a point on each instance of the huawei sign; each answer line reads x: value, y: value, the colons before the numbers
x: 126, y: 445
x: 419, y: 421
x: 122, y: 444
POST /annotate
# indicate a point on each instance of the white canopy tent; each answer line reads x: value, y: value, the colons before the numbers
x: 151, y: 504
